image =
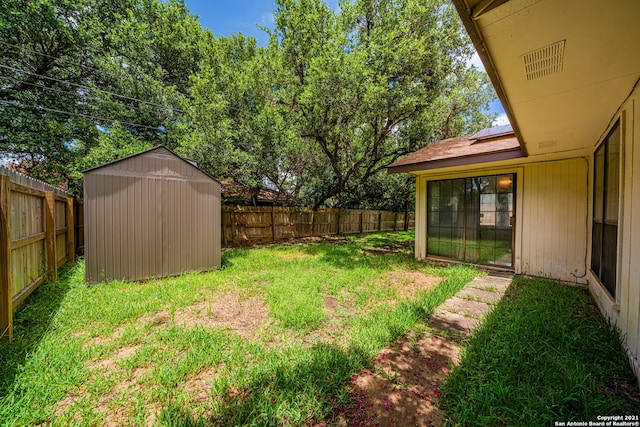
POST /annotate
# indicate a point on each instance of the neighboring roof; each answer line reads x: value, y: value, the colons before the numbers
x: 190, y: 162
x: 462, y: 150
x: 493, y: 132
x: 232, y: 189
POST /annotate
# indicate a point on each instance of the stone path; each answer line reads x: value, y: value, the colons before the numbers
x: 403, y: 388
x: 462, y: 312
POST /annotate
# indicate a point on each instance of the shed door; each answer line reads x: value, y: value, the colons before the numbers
x: 470, y: 219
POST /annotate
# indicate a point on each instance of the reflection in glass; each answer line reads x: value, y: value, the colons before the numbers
x: 470, y: 219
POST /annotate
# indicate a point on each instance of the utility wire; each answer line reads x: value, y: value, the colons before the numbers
x: 50, y: 56
x: 53, y: 110
x: 17, y: 70
x: 84, y: 96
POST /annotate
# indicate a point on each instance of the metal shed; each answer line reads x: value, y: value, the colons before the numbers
x: 153, y: 214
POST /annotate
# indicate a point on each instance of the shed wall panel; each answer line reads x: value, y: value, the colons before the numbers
x: 149, y: 216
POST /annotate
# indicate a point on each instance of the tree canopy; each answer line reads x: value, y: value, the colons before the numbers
x: 318, y: 113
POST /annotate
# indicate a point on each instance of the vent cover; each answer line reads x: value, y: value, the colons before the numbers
x: 547, y: 144
x: 544, y: 61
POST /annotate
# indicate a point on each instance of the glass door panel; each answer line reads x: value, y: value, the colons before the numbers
x: 470, y: 219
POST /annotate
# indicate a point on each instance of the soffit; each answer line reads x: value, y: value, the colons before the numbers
x: 569, y: 109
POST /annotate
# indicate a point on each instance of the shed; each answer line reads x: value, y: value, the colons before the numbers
x: 150, y: 215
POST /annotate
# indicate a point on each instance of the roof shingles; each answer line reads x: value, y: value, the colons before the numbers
x: 457, y: 151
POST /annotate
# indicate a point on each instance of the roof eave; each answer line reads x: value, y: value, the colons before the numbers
x: 477, y: 40
x: 495, y: 156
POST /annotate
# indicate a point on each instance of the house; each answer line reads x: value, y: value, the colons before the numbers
x: 558, y: 196
x: 150, y: 215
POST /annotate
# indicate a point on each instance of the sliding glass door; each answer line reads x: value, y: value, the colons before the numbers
x: 469, y: 219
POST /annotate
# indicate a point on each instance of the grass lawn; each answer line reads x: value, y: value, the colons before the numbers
x: 271, y: 339
x: 544, y: 354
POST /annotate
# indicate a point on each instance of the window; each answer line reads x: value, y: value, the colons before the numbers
x: 470, y: 219
x: 606, y: 190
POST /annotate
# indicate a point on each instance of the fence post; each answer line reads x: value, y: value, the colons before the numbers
x: 338, y: 222
x: 222, y: 227
x: 379, y: 221
x: 313, y: 223
x: 361, y: 221
x: 50, y: 242
x: 71, y: 253
x: 273, y: 226
x: 6, y: 287
x: 395, y: 220
x: 234, y: 226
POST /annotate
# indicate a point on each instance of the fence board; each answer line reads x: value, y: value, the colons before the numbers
x: 36, y: 238
x: 245, y: 225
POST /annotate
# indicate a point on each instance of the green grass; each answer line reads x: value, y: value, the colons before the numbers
x: 123, y: 352
x: 544, y: 354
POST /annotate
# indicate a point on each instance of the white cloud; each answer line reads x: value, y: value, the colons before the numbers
x: 475, y: 61
x: 500, y: 120
x: 267, y: 20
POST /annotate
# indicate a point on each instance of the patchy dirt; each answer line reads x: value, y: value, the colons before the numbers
x: 245, y: 317
x: 199, y: 385
x: 403, y: 388
x: 387, y: 249
x: 111, y: 362
x: 408, y: 283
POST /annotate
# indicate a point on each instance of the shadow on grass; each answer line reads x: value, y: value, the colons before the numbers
x: 361, y: 250
x: 229, y: 255
x: 302, y: 389
x: 544, y: 354
x: 30, y: 325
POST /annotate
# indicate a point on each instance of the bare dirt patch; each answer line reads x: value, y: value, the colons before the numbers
x: 409, y: 283
x: 245, y: 317
x: 199, y: 385
x: 111, y: 362
x: 403, y: 389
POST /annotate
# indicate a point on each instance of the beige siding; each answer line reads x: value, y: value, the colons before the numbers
x: 551, y: 216
x: 624, y: 310
x: 153, y: 215
x: 554, y: 220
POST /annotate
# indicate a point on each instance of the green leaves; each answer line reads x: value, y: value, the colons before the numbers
x: 335, y: 97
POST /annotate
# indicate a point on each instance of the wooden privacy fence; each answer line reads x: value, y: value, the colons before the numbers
x: 40, y: 230
x: 243, y: 225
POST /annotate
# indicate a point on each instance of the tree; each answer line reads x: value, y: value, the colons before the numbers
x: 372, y: 83
x: 70, y: 68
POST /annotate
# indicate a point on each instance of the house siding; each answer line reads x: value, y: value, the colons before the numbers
x: 551, y: 221
x: 555, y: 220
x: 148, y: 216
x: 624, y: 309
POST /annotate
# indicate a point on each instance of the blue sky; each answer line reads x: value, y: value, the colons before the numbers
x: 228, y: 17
x: 244, y: 16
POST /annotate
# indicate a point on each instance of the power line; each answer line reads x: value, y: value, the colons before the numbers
x: 53, y: 110
x: 50, y: 56
x: 61, y: 90
x: 17, y: 70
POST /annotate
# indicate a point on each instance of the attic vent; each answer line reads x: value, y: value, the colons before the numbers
x: 545, y: 61
x: 547, y: 144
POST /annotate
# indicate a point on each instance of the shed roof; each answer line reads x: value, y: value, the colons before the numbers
x: 462, y: 150
x: 157, y: 147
